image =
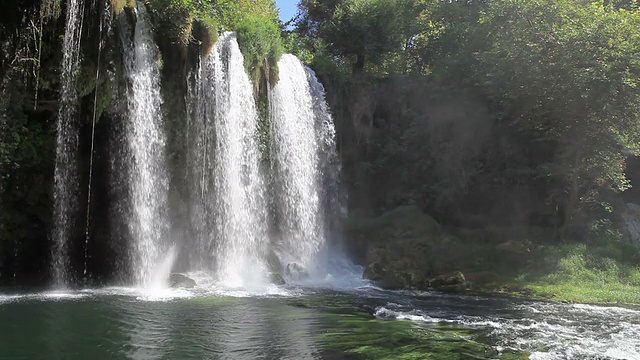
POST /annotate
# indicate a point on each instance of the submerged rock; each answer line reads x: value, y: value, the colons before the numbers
x: 181, y: 281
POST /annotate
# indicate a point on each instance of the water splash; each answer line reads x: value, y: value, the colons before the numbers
x: 65, y: 176
x: 304, y: 162
x: 148, y: 182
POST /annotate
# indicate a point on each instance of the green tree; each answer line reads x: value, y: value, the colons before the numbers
x: 570, y: 71
x: 364, y: 29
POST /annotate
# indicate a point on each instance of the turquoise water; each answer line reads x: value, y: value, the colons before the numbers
x: 307, y: 323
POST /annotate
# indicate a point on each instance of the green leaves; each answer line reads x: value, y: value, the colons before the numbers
x: 565, y: 67
x: 261, y: 44
x: 367, y: 29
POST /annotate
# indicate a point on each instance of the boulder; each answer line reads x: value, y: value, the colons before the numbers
x: 374, y: 271
x: 276, y: 279
x: 181, y: 281
x: 453, y: 279
x: 295, y: 271
x: 396, y: 278
x: 402, y: 248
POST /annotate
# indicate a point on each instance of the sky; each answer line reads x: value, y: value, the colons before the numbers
x: 288, y: 9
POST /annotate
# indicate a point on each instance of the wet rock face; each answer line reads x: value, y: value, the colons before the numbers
x: 181, y: 281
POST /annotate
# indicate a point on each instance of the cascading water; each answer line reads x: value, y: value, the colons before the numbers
x: 148, y: 182
x: 241, y: 221
x: 304, y: 163
x: 65, y: 177
x: 226, y: 157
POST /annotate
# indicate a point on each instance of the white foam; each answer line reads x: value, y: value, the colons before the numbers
x: 9, y: 298
x: 55, y: 295
x: 385, y: 313
x: 604, y: 309
x: 564, y: 331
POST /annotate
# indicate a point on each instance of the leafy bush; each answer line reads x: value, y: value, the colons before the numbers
x: 174, y: 18
x: 261, y: 43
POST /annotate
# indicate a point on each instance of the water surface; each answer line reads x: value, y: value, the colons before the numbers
x: 297, y: 322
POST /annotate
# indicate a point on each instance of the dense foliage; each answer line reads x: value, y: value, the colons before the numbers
x: 505, y: 97
x: 515, y: 124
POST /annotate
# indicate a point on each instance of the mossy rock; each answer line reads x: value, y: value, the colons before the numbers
x: 403, y: 248
x: 455, y: 279
x: 181, y: 281
x: 374, y: 271
x: 409, y: 221
x: 395, y: 278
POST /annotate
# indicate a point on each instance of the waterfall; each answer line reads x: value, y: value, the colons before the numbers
x: 147, y: 175
x: 65, y: 176
x: 305, y: 166
x: 229, y: 188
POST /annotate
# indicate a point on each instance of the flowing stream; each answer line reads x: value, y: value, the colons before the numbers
x: 65, y: 177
